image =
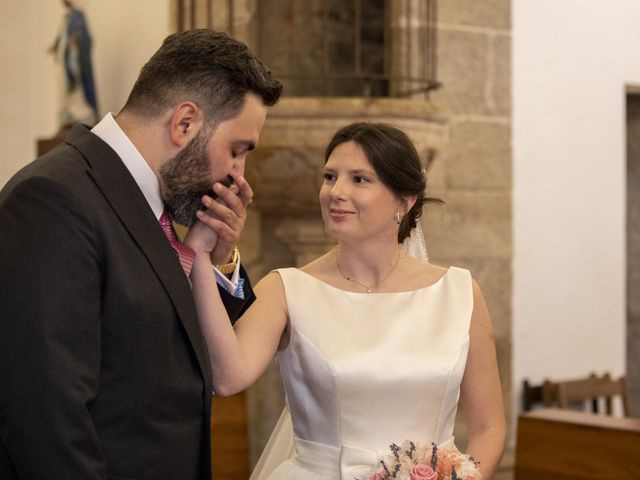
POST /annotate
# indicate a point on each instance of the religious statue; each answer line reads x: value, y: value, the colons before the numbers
x: 72, y: 48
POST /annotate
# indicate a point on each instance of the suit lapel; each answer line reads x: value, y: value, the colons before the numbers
x: 129, y: 204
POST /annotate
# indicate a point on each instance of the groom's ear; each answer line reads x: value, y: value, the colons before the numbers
x: 185, y: 123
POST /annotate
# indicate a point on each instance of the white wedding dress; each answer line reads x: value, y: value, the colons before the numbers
x: 362, y: 371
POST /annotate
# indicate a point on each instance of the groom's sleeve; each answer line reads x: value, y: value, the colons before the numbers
x: 235, y: 305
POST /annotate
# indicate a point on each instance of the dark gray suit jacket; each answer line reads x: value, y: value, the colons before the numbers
x: 103, y: 369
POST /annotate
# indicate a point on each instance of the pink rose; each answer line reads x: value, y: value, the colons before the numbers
x: 379, y: 476
x: 423, y: 472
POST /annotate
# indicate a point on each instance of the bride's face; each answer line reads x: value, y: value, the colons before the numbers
x: 354, y: 201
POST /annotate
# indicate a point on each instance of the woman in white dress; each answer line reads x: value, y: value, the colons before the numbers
x: 375, y: 346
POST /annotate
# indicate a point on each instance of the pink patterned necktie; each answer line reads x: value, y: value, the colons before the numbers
x: 185, y: 254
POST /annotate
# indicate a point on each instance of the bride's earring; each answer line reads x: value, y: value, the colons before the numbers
x: 398, y: 217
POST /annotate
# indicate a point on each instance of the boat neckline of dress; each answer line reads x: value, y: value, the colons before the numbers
x: 427, y: 287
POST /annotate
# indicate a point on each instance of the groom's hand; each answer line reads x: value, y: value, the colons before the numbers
x: 226, y: 216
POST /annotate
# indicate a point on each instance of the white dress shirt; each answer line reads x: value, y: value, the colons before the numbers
x: 111, y: 133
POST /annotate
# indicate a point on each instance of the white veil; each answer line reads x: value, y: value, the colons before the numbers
x: 414, y: 245
x: 279, y: 448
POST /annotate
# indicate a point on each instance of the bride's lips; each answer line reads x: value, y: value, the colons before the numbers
x: 338, y: 214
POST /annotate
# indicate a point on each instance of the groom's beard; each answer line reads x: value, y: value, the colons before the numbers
x: 186, y: 178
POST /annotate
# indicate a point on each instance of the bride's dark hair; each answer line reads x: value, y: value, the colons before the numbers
x: 396, y: 162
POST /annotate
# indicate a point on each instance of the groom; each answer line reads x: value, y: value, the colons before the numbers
x: 103, y: 369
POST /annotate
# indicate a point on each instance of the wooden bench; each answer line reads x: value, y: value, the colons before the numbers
x: 571, y: 445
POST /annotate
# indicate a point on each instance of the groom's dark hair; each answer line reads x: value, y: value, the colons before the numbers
x: 207, y: 67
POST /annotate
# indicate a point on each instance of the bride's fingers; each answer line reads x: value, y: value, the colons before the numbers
x: 206, y: 218
x: 244, y: 190
x: 231, y: 198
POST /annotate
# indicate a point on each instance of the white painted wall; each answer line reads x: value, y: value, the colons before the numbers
x: 125, y: 33
x: 571, y: 62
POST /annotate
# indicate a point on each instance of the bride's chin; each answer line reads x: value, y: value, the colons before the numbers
x: 342, y: 236
x: 333, y: 229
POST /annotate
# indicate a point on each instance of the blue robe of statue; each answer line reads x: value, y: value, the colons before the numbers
x: 77, y: 59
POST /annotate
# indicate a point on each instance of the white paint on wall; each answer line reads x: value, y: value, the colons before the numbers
x: 571, y: 62
x: 125, y: 35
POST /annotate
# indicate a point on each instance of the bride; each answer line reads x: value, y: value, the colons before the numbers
x: 375, y: 346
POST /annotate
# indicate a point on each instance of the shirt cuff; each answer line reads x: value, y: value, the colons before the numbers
x: 233, y: 285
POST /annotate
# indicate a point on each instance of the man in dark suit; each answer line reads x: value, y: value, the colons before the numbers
x: 103, y: 369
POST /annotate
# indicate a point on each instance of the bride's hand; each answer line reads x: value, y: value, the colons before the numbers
x: 201, y: 237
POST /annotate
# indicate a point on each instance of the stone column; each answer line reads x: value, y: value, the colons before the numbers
x: 474, y: 228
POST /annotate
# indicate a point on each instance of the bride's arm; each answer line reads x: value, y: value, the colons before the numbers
x: 238, y: 357
x: 481, y: 392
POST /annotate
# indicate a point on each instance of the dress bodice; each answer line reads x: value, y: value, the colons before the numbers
x: 364, y: 370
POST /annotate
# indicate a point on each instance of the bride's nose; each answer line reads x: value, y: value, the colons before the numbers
x: 339, y: 190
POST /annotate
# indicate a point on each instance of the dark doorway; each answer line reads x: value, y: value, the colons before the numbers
x: 633, y: 248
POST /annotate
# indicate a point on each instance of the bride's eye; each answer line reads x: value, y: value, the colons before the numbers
x: 328, y: 177
x: 360, y: 179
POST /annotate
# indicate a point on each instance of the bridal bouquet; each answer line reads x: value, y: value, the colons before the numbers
x: 425, y: 462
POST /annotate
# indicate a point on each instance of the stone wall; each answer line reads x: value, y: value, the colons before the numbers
x: 473, y: 174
